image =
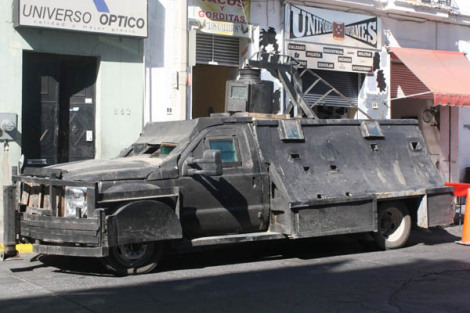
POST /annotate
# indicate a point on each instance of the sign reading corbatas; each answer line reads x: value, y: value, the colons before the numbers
x: 333, y: 28
x: 114, y: 17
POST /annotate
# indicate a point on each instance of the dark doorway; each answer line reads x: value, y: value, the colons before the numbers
x: 58, y: 108
x: 210, y: 80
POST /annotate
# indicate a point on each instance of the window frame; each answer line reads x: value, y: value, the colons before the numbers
x: 236, y: 146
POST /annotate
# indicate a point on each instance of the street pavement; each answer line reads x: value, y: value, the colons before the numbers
x: 332, y: 274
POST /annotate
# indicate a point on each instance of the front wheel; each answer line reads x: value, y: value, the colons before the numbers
x: 134, y: 258
x: 394, y: 226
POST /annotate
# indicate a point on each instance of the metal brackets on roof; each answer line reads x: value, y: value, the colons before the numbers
x: 286, y: 69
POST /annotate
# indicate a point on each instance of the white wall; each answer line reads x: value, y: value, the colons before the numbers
x: 266, y: 14
x: 371, y: 100
x: 165, y: 79
x: 463, y: 5
x: 464, y: 141
x: 453, y: 172
x: 425, y: 35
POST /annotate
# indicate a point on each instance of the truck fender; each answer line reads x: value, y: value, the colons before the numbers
x: 143, y: 221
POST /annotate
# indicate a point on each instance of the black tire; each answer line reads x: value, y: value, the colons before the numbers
x: 133, y: 259
x: 394, y: 225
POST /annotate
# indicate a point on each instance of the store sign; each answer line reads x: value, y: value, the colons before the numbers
x: 333, y: 28
x: 331, y: 40
x: 334, y: 58
x: 114, y: 17
x: 222, y: 17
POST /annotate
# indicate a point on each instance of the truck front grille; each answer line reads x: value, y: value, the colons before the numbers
x: 37, y: 199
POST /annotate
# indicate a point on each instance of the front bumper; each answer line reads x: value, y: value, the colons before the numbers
x: 45, y: 227
x: 96, y: 252
x: 63, y: 236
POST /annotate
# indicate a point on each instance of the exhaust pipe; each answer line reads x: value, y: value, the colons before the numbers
x: 9, y: 223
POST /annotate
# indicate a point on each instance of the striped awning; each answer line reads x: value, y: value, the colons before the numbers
x: 441, y: 76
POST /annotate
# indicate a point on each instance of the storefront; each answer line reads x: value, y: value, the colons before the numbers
x: 78, y: 74
x: 432, y: 86
x: 219, y: 41
x: 342, y: 48
x: 72, y: 79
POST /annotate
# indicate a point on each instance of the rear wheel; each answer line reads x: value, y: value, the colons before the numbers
x: 394, y: 225
x: 134, y: 258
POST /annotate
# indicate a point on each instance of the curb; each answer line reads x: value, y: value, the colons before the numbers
x: 21, y: 248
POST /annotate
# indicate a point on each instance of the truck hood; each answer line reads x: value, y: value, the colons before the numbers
x: 138, y: 167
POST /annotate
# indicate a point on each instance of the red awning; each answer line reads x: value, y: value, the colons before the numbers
x: 446, y: 74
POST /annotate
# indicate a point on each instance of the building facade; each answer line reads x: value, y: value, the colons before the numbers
x: 73, y: 76
x: 348, y: 43
x: 76, y: 74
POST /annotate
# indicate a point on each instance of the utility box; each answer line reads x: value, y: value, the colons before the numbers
x: 8, y: 126
x: 249, y: 93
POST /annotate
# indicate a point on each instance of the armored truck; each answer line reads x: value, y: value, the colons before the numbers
x: 241, y: 176
x: 231, y: 178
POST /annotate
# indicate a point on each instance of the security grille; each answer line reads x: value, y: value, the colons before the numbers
x: 405, y: 84
x: 219, y: 50
x: 345, y: 82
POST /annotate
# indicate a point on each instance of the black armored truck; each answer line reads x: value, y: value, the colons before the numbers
x: 232, y: 177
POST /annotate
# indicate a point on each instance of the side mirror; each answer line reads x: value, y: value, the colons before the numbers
x: 209, y: 165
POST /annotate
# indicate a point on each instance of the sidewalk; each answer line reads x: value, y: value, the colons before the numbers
x: 22, y: 248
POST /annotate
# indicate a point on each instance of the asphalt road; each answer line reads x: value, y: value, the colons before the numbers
x: 334, y: 274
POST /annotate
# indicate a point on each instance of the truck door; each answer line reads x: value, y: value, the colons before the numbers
x: 233, y: 202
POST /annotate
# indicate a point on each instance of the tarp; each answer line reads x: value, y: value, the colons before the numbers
x: 445, y: 73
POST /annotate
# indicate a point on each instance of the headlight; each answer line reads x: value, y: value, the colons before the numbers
x: 75, y: 202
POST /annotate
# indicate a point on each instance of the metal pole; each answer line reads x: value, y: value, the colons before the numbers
x: 450, y: 143
x: 9, y: 222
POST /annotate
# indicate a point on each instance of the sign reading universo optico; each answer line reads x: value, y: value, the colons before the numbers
x: 114, y: 17
x: 332, y: 40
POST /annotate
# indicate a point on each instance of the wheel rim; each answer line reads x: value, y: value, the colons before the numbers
x: 135, y: 254
x: 391, y: 226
